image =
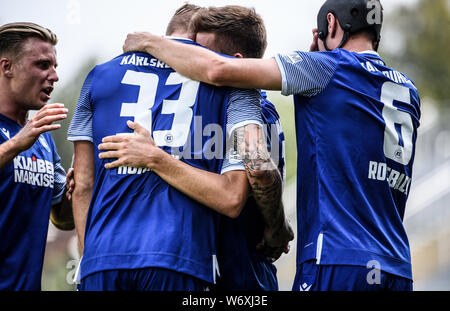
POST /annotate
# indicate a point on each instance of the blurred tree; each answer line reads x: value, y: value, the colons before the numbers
x: 423, y: 46
x: 285, y: 108
x: 68, y: 95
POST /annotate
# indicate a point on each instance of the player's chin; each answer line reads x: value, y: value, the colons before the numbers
x: 44, y: 97
x: 40, y: 101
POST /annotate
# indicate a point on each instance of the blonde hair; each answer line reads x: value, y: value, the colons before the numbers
x: 180, y: 20
x: 13, y: 35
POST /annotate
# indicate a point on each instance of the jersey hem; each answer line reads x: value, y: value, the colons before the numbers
x: 201, y: 270
x: 359, y: 257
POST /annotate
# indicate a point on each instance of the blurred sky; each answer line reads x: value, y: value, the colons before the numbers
x: 98, y: 27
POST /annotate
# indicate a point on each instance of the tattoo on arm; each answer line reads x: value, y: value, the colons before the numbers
x: 262, y: 173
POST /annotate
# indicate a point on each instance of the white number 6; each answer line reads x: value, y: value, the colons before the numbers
x: 395, y: 149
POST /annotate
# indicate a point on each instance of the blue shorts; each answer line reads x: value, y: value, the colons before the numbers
x: 147, y: 279
x: 253, y: 272
x: 313, y: 277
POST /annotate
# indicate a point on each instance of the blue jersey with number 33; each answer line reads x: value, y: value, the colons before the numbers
x: 136, y: 219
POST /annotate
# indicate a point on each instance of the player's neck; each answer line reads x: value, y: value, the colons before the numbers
x: 20, y: 117
x: 358, y: 46
x: 10, y: 109
x: 182, y: 34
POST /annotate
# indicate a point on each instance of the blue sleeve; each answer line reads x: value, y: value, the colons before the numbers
x: 306, y: 73
x: 59, y: 174
x: 60, y: 183
x: 81, y: 124
x: 244, y: 107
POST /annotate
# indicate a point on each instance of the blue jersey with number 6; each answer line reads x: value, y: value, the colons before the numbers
x: 356, y: 125
x: 135, y: 219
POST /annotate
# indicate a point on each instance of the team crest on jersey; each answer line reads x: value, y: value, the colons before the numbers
x: 305, y: 287
x: 294, y: 58
x: 6, y: 133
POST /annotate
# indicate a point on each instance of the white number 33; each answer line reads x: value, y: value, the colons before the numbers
x: 181, y: 108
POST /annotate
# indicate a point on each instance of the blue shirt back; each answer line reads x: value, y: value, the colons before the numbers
x: 136, y: 219
x: 28, y: 186
x: 356, y: 139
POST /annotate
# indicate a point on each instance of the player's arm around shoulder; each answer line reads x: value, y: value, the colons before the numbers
x: 225, y: 193
x: 203, y: 65
x: 245, y: 73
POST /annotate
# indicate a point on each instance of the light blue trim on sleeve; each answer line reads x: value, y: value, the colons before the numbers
x: 244, y: 107
x: 81, y: 124
x: 80, y: 138
x: 306, y: 73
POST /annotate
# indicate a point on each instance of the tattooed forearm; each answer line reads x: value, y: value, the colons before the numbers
x: 267, y: 191
x: 262, y: 173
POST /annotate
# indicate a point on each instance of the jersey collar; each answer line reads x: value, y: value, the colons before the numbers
x: 369, y: 52
x: 178, y: 38
x: 372, y: 54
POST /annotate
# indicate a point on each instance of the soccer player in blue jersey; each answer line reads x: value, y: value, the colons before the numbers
x: 240, y: 32
x: 356, y: 124
x: 31, y: 176
x: 140, y: 233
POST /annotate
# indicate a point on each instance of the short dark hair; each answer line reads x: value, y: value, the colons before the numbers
x: 369, y: 33
x: 14, y: 35
x: 180, y: 20
x: 238, y: 29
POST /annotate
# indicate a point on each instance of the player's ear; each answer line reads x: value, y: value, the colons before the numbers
x: 332, y: 24
x: 6, y: 67
x: 238, y: 55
